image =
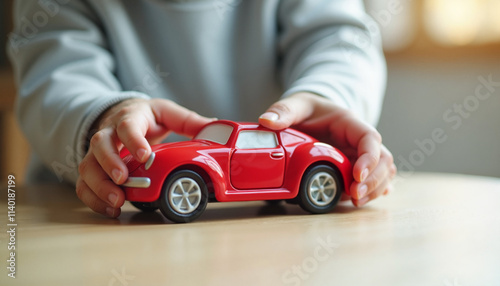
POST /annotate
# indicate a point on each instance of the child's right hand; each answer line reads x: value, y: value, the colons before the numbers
x: 373, y: 163
x: 133, y: 124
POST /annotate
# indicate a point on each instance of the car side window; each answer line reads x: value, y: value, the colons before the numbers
x: 254, y: 139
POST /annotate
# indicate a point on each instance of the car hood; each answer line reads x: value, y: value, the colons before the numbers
x: 176, y: 145
x: 133, y: 164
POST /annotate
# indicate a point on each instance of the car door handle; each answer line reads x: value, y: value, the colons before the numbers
x: 277, y: 154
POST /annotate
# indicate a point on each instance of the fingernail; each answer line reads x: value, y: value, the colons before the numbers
x: 362, y: 191
x: 271, y: 116
x: 112, y: 198
x: 362, y: 202
x: 364, y: 174
x: 141, y: 154
x: 110, y: 211
x: 117, y: 175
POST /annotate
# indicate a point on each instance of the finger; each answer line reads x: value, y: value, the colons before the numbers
x: 286, y: 112
x: 177, y: 118
x: 89, y: 198
x: 393, y: 172
x: 381, y: 189
x: 99, y: 183
x: 103, y: 147
x: 383, y: 171
x: 369, y: 150
x: 362, y: 136
x: 131, y: 130
x: 389, y: 189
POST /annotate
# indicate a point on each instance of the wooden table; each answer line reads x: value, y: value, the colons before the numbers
x: 434, y: 229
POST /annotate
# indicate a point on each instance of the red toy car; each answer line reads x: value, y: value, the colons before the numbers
x: 229, y: 161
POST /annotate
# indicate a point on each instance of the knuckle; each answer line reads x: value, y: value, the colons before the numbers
x: 345, y: 117
x: 375, y: 135
x: 125, y: 130
x: 125, y: 124
x: 372, y: 135
x: 388, y: 157
x: 372, y: 158
x: 375, y: 181
x: 345, y: 114
x: 281, y: 107
x: 97, y: 139
x: 126, y: 110
x: 186, y: 126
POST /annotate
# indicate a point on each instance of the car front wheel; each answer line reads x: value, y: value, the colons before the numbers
x: 184, y: 196
x: 320, y: 189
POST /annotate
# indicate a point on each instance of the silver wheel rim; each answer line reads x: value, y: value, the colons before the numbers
x: 184, y: 195
x: 322, y: 189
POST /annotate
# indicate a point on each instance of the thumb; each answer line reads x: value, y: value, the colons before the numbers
x: 177, y: 118
x: 287, y: 112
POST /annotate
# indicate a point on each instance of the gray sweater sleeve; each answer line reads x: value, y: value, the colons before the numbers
x: 332, y: 48
x: 65, y: 77
x: 67, y: 72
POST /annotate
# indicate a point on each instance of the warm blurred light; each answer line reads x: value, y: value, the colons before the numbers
x: 397, y: 21
x: 494, y: 19
x: 462, y: 22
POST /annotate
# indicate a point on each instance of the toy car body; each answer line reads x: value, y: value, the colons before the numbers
x: 230, y: 161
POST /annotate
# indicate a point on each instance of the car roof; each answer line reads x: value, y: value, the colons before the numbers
x: 237, y: 125
x: 255, y: 126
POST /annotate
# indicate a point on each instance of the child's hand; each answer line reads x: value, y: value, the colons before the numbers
x: 373, y: 165
x: 133, y: 124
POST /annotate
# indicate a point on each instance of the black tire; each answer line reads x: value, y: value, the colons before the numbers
x: 320, y: 189
x: 173, y: 202
x: 145, y: 207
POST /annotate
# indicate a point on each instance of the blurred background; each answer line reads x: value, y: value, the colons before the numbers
x: 14, y: 150
x: 441, y: 111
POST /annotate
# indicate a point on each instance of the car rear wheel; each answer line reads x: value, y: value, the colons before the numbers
x: 320, y: 189
x: 184, y: 196
x: 145, y: 207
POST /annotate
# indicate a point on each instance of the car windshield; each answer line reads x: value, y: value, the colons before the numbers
x: 218, y: 133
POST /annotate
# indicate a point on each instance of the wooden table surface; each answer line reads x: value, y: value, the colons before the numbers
x: 434, y: 229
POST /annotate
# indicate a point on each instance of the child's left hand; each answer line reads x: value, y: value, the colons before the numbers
x: 373, y: 164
